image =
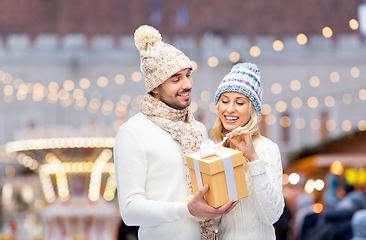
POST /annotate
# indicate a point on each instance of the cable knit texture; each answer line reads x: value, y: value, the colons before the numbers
x: 254, y: 216
x: 151, y: 181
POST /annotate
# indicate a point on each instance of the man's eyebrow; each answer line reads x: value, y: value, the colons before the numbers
x: 175, y: 75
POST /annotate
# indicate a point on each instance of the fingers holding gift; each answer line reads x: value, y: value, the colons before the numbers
x: 199, y: 207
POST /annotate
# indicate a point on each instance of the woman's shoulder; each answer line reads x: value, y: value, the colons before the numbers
x: 264, y: 141
x: 264, y: 144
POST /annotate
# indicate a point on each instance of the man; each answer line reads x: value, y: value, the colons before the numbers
x: 152, y: 177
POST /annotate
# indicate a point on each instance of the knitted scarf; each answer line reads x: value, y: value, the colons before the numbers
x: 181, y: 125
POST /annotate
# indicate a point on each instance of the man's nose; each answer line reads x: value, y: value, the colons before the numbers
x: 187, y: 82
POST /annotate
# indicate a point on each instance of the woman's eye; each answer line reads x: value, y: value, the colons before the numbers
x: 240, y: 103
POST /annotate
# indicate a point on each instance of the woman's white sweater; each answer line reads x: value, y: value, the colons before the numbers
x: 254, y: 216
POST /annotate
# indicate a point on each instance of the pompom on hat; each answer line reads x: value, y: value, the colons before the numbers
x: 159, y: 60
x: 243, y: 78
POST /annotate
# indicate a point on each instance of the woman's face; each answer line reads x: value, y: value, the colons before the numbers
x: 233, y: 110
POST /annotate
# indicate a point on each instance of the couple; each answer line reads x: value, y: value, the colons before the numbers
x: 153, y: 182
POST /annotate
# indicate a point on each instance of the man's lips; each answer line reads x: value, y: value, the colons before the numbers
x: 184, y: 95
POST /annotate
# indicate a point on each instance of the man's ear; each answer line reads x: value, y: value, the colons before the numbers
x: 155, y: 91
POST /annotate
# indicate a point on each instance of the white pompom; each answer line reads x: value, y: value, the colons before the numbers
x: 146, y: 36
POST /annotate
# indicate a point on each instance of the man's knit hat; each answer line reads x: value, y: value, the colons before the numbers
x: 243, y: 78
x: 159, y: 60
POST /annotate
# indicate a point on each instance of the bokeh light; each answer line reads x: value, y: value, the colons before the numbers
x: 296, y: 102
x: 346, y: 125
x: 278, y: 45
x: 285, y: 121
x: 84, y: 83
x: 294, y: 178
x: 347, y: 98
x: 295, y: 85
x: 119, y: 79
x: 330, y: 125
x: 362, y: 94
x: 319, y: 184
x: 102, y: 81
x: 302, y: 39
x: 266, y: 109
x: 334, y: 77
x: 276, y: 88
x: 327, y: 32
x: 329, y: 101
x: 136, y: 76
x: 314, y: 81
x: 213, y: 62
x: 254, y: 51
x: 355, y: 72
x: 353, y: 24
x: 313, y: 102
x: 281, y: 106
x: 234, y: 57
x: 69, y: 85
x: 300, y: 123
x: 270, y: 119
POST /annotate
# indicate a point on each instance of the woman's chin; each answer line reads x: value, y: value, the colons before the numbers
x: 229, y: 128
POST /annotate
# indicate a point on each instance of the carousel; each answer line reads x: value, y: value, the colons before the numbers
x: 77, y: 178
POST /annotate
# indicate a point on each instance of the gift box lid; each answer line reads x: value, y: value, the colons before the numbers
x: 214, y: 164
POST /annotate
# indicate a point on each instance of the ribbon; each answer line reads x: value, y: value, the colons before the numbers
x: 209, y: 148
x: 198, y: 172
x: 229, y: 174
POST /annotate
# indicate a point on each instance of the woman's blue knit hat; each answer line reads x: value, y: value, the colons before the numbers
x: 243, y: 78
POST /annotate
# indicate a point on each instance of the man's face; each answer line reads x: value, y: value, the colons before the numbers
x: 176, y: 91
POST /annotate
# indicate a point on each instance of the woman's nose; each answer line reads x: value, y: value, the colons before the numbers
x: 230, y: 108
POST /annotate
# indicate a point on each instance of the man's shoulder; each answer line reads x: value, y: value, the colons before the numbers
x: 138, y: 120
x: 139, y: 123
x: 200, y: 125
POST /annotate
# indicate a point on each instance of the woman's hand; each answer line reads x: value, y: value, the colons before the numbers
x: 246, y: 143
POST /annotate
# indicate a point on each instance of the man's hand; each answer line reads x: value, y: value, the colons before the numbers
x: 199, y: 207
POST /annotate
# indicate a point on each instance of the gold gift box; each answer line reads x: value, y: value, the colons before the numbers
x: 212, y: 172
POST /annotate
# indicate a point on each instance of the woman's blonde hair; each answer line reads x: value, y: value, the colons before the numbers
x: 217, y: 132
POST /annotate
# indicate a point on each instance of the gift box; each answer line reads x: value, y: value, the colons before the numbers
x: 224, y: 173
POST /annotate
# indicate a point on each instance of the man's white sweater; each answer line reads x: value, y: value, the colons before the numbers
x: 151, y: 183
x: 253, y: 216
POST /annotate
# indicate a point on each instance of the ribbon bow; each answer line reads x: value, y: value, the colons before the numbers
x: 209, y: 148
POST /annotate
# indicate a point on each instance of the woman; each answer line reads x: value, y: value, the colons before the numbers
x: 238, y: 100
